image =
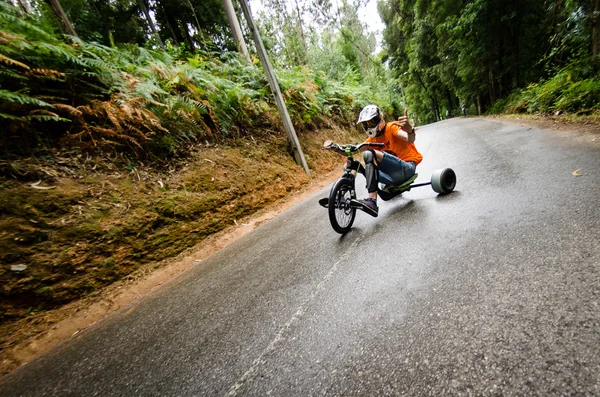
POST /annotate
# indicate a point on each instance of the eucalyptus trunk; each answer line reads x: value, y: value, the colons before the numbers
x: 65, y: 23
x: 596, y: 29
x: 301, y: 31
x: 195, y: 17
x: 144, y: 9
x: 23, y: 6
x: 491, y: 83
x: 236, y: 30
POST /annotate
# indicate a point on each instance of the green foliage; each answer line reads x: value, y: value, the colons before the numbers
x: 124, y: 21
x: 581, y: 95
x: 12, y: 97
x: 147, y: 102
x: 570, y: 90
x: 446, y: 53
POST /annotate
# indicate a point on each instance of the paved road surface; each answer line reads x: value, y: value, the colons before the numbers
x: 492, y: 290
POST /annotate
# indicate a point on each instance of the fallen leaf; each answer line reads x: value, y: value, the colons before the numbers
x: 37, y: 186
x: 576, y: 173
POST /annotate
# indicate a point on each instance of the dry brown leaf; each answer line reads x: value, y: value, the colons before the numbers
x: 36, y: 185
x: 576, y: 172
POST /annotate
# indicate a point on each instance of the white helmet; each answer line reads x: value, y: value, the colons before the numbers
x: 369, y: 118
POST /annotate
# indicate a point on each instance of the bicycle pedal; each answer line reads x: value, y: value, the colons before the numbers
x: 324, y: 202
x: 354, y: 203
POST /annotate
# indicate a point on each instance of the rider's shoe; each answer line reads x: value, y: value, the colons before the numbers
x: 369, y: 206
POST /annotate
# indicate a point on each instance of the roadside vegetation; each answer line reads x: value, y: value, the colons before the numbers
x: 125, y: 140
x: 113, y: 157
x: 573, y: 91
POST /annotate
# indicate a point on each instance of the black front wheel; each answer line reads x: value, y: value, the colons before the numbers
x: 341, y: 213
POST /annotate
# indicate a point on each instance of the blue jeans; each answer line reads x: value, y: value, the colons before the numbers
x: 393, y: 171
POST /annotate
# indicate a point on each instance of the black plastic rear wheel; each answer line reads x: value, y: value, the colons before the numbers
x: 341, y: 213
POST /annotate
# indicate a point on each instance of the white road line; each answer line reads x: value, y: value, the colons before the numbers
x: 233, y: 391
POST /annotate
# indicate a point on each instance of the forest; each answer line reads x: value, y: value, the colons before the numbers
x: 83, y: 66
x: 131, y: 130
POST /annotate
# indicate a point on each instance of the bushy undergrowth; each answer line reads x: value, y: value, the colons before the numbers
x: 68, y: 93
x: 575, y: 89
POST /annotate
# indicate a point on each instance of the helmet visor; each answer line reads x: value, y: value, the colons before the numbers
x: 369, y: 124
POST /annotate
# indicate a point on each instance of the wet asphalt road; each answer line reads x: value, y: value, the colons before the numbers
x: 492, y: 290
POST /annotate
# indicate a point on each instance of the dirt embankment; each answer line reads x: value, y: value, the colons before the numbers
x: 80, y: 237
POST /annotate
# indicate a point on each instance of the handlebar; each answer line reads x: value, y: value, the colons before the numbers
x: 350, y: 147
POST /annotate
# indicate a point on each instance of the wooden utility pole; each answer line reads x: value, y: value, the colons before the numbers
x: 272, y: 79
x: 236, y: 31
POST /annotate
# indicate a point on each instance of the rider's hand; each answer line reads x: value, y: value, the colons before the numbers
x: 403, y: 123
x: 327, y: 143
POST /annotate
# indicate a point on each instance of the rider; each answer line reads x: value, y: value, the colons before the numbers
x: 397, y: 162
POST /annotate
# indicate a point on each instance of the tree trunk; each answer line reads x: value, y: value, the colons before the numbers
x: 518, y: 55
x: 188, y: 37
x: 433, y: 100
x: 173, y: 27
x: 144, y: 9
x: 194, y: 14
x: 236, y: 30
x: 503, y: 75
x: 596, y: 30
x: 438, y: 110
x: 23, y: 6
x: 491, y: 83
x: 301, y: 31
x: 65, y: 23
x: 450, y: 106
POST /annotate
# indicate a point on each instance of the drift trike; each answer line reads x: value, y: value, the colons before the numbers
x: 342, y: 203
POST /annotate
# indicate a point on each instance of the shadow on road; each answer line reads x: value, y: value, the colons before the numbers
x: 448, y: 197
x: 399, y: 207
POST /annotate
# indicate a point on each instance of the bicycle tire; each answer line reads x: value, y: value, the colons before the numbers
x: 341, y: 213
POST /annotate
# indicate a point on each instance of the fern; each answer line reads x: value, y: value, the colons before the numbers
x: 13, y: 97
x: 10, y: 117
x: 144, y: 101
x: 11, y: 62
x: 63, y: 54
x: 20, y: 23
x: 43, y: 117
x: 11, y: 75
